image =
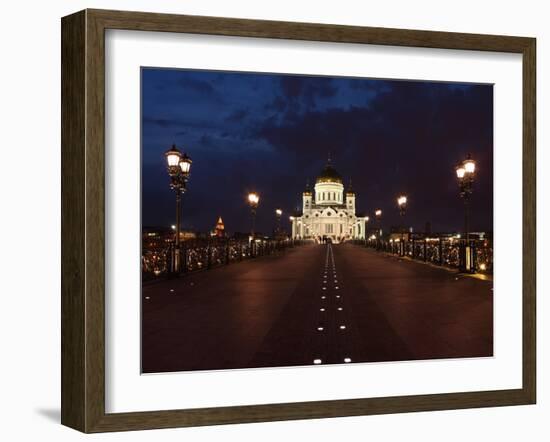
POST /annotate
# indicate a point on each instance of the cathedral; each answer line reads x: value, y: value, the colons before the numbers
x: 328, y: 213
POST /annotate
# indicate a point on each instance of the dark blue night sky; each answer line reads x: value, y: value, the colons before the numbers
x: 271, y: 133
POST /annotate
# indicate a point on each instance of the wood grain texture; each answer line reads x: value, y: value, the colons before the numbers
x: 73, y: 254
x: 83, y: 219
x: 529, y: 221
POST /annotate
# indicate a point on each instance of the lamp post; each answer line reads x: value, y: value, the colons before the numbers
x: 378, y: 216
x: 402, y: 204
x: 179, y: 167
x: 278, y: 214
x: 465, y: 173
x: 253, y: 201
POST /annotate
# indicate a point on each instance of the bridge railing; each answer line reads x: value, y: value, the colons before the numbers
x: 476, y: 255
x: 204, y: 254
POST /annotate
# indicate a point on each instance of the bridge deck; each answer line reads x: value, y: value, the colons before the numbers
x: 314, y: 302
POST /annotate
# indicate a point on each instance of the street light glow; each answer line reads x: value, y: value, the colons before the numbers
x: 279, y: 212
x: 460, y: 172
x: 401, y: 200
x: 253, y: 198
x: 185, y: 164
x: 378, y: 212
x: 173, y: 156
x: 469, y: 165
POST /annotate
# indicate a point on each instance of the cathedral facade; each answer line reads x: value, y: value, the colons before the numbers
x: 329, y: 212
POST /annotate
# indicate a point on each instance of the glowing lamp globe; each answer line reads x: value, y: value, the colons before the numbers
x: 173, y: 156
x: 253, y: 198
x: 470, y: 166
x: 185, y: 164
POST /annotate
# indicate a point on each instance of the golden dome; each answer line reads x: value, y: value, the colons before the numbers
x: 329, y: 175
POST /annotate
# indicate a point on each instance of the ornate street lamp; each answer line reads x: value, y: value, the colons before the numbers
x: 253, y: 201
x: 179, y: 167
x: 278, y: 214
x: 378, y: 216
x: 465, y: 173
x: 402, y: 204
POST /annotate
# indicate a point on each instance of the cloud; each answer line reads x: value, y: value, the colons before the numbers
x: 407, y: 140
x: 273, y: 132
x: 237, y: 116
x: 200, y: 86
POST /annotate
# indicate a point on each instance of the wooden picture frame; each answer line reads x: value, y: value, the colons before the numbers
x: 83, y: 219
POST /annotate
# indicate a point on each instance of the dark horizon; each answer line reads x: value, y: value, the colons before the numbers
x: 271, y: 133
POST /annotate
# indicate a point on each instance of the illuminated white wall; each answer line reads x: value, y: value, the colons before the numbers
x: 329, y: 193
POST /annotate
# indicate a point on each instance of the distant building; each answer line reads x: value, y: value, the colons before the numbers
x: 219, y: 230
x: 329, y: 212
x: 154, y: 237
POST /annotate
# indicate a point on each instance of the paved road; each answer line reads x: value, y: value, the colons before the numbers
x: 314, y: 304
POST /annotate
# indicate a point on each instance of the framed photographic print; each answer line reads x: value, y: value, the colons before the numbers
x: 268, y: 221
